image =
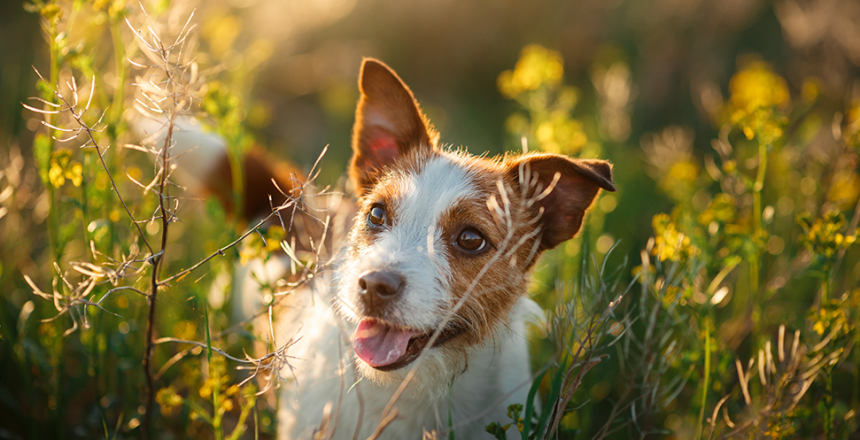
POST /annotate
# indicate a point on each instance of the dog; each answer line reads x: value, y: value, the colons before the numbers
x: 421, y: 328
x: 433, y: 278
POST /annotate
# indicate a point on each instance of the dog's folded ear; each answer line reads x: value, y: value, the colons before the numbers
x: 564, y: 207
x: 388, y: 124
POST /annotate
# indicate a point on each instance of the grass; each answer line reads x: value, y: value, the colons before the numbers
x: 738, y: 319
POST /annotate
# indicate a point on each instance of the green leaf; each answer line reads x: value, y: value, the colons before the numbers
x: 530, y: 405
x: 555, y: 389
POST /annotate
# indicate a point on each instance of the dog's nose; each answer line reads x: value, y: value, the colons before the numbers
x: 378, y: 287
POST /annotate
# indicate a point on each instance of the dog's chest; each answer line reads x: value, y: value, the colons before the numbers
x: 324, y: 385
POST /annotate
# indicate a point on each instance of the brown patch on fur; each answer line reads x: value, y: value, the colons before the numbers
x: 564, y: 207
x: 388, y: 124
x: 392, y: 137
x: 505, y: 280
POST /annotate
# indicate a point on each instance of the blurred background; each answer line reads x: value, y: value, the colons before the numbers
x: 673, y: 60
x: 658, y: 87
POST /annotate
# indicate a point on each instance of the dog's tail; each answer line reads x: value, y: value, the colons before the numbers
x: 204, y: 166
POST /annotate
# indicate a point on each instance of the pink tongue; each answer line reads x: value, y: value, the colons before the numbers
x: 379, y: 344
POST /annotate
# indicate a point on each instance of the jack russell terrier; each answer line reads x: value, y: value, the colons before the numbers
x: 422, y: 328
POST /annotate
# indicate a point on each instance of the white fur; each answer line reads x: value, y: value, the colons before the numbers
x: 413, y: 245
x: 327, y: 374
x: 329, y: 378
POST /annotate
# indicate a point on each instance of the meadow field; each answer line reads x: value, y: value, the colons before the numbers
x: 715, y: 295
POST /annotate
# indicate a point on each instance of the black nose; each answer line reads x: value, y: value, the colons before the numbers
x: 378, y: 287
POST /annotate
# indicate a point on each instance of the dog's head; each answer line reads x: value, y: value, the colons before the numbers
x: 444, y: 240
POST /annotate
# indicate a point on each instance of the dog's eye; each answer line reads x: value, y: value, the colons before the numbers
x: 376, y: 216
x: 471, y: 240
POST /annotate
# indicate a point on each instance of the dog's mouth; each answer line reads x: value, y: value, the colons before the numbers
x: 387, y: 347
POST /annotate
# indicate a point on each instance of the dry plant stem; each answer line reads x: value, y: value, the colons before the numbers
x: 89, y: 130
x: 221, y: 251
x: 157, y: 260
x: 386, y: 420
x: 570, y: 385
x: 308, y: 275
x: 647, y: 365
x: 154, y: 259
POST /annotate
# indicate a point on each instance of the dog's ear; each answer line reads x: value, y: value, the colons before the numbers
x: 564, y: 207
x: 388, y: 124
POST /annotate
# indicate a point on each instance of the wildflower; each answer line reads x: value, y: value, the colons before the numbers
x: 671, y: 244
x: 52, y: 12
x: 720, y: 210
x: 255, y: 247
x: 822, y: 236
x: 206, y: 390
x: 670, y: 154
x: 63, y: 167
x: 168, y: 399
x: 232, y: 390
x: 536, y: 66
x: 756, y: 86
x: 755, y: 93
x: 680, y: 180
x: 536, y: 83
x: 833, y: 317
x: 561, y: 134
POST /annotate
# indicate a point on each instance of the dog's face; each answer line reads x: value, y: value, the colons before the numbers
x: 444, y: 240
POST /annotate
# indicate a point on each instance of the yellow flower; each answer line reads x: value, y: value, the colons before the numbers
x: 206, y: 390
x: 63, y: 167
x: 680, y: 179
x: 55, y: 175
x: 669, y: 243
x: 232, y: 390
x: 247, y: 254
x: 52, y: 11
x: 757, y: 86
x: 168, y: 399
x: 75, y: 173
x: 536, y: 66
x: 822, y: 235
x: 755, y: 91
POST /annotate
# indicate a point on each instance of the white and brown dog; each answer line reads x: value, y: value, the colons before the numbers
x: 432, y: 279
